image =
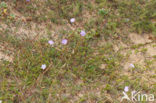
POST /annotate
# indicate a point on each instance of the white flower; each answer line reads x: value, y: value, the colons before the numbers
x: 126, y: 89
x: 43, y: 66
x: 51, y: 42
x: 131, y: 66
x: 72, y: 20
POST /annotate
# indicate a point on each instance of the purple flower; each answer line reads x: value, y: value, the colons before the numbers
x: 43, y: 66
x: 83, y: 33
x: 126, y: 89
x: 131, y: 66
x: 27, y: 0
x: 51, y: 42
x: 72, y: 20
x: 64, y: 41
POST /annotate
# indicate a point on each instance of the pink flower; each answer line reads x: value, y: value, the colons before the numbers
x: 64, y: 41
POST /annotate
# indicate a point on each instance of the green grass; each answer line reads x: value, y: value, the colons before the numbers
x: 74, y: 73
x: 70, y: 63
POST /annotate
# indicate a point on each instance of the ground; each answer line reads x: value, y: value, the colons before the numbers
x: 118, y: 50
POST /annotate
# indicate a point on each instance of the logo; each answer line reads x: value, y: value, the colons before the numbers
x: 136, y: 96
